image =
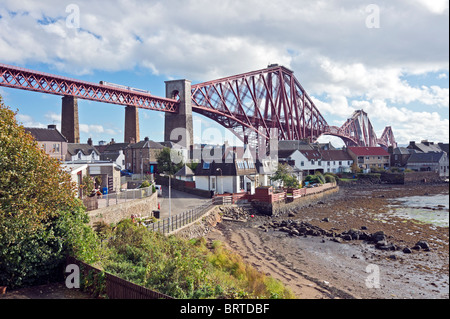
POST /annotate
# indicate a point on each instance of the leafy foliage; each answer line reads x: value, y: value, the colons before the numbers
x: 41, y: 221
x: 283, y: 174
x: 185, y: 269
x: 166, y: 164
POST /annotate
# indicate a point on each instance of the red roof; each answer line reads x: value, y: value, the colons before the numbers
x: 367, y: 151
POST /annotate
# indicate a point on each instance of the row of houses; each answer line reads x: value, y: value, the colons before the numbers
x: 423, y: 156
x: 229, y: 169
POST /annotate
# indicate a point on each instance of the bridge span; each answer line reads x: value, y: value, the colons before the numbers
x: 253, y: 105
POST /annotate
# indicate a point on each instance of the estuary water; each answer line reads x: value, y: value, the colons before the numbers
x: 430, y: 209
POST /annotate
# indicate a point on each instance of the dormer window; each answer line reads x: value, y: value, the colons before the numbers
x: 79, y: 155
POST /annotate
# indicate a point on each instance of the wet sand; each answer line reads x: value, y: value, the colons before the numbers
x: 317, y: 267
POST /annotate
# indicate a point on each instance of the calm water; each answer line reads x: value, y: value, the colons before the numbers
x: 432, y: 209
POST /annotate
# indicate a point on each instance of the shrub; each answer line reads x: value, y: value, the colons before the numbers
x: 42, y: 221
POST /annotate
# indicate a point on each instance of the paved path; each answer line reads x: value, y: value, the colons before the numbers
x: 180, y: 202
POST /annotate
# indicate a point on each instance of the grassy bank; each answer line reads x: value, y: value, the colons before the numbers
x: 180, y: 268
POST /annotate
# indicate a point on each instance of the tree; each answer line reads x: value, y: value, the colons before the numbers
x: 169, y: 161
x: 41, y: 220
x: 283, y: 174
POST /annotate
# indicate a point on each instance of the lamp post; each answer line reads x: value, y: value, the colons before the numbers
x: 221, y: 179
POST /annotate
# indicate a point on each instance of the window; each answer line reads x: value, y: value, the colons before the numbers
x: 328, y: 163
x: 55, y: 148
x: 340, y: 163
x: 213, y: 182
x: 79, y: 155
x: 206, y: 165
x: 43, y: 146
x: 319, y: 163
x: 241, y: 182
x: 312, y: 162
x: 367, y: 157
x: 245, y: 164
x: 302, y: 163
x: 93, y: 155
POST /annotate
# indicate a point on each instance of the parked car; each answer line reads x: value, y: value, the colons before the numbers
x: 159, y: 189
x: 126, y: 172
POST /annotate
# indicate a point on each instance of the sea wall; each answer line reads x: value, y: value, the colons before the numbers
x: 277, y: 208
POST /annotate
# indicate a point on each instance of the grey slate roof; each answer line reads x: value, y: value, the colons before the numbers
x: 46, y: 134
x: 185, y: 171
x: 86, y: 149
x: 430, y: 157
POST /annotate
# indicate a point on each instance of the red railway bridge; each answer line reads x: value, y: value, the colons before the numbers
x: 254, y: 105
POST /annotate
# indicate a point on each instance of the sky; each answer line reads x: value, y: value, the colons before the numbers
x: 389, y: 58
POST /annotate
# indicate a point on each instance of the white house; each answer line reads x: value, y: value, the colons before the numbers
x: 82, y: 152
x: 234, y: 173
x: 336, y: 161
x: 308, y: 161
x: 77, y: 172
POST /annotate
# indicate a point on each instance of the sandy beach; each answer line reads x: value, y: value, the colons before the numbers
x: 318, y: 267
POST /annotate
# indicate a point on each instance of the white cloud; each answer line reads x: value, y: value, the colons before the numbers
x: 28, y: 121
x: 91, y: 129
x: 327, y: 44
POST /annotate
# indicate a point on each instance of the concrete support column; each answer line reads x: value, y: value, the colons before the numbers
x: 179, y: 127
x: 70, y: 126
x: 131, y: 124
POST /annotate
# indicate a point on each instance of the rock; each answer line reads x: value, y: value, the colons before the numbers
x: 406, y: 250
x: 363, y: 227
x: 285, y: 229
x: 423, y: 244
x: 346, y: 237
x: 294, y: 232
x: 291, y: 214
x: 336, y: 240
x: 378, y: 236
x: 387, y: 247
x: 393, y: 257
x: 381, y: 243
x: 416, y: 247
x: 326, y: 219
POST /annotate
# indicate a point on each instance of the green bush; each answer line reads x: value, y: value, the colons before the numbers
x: 41, y: 220
x: 145, y: 184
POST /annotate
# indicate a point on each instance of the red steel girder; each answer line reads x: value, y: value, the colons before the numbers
x: 258, y: 102
x: 24, y: 79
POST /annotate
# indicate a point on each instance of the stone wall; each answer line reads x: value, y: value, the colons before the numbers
x: 181, y: 186
x: 277, y: 208
x: 411, y: 177
x: 115, y: 213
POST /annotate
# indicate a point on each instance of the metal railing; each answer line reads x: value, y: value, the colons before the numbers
x: 101, y: 201
x: 175, y: 222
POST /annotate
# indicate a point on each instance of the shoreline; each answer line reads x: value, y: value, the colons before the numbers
x: 316, y: 267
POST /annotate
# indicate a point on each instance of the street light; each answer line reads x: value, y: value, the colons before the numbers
x: 221, y: 180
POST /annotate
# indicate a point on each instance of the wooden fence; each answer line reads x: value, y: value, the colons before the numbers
x: 112, y: 286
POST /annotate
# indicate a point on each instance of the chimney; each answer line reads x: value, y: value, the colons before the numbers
x: 89, y: 141
x: 391, y: 149
x: 412, y: 144
x: 51, y: 126
x: 112, y: 141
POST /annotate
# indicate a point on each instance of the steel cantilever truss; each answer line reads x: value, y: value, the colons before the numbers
x: 20, y: 78
x: 358, y: 131
x: 251, y: 104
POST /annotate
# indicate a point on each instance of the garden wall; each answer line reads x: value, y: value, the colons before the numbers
x: 115, y: 213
